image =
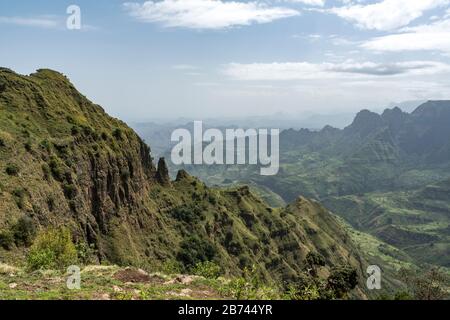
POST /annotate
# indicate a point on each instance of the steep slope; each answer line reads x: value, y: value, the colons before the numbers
x: 72, y: 160
x: 65, y: 162
x: 415, y: 221
x: 382, y: 174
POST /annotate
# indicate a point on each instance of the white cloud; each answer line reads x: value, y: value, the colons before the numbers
x: 206, y: 14
x: 435, y: 36
x: 345, y: 70
x: 39, y: 22
x: 387, y: 14
x: 317, y: 3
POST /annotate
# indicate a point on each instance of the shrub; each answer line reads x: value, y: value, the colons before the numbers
x: 207, y: 269
x: 85, y: 252
x: 53, y: 249
x: 70, y: 191
x: 46, y: 171
x: 6, y: 240
x: 244, y: 261
x: 311, y: 291
x: 234, y: 247
x: 104, y: 136
x: 28, y: 146
x: 315, y: 259
x: 249, y: 287
x: 170, y: 267
x: 117, y: 133
x: 51, y: 203
x: 87, y: 130
x: 46, y: 145
x: 189, y: 214
x: 212, y: 199
x: 19, y: 196
x: 74, y: 130
x: 56, y: 168
x: 194, y: 250
x: 24, y: 231
x: 342, y: 280
x: 73, y: 205
x: 12, y: 169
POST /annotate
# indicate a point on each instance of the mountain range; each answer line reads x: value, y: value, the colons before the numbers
x: 386, y: 174
x: 64, y: 163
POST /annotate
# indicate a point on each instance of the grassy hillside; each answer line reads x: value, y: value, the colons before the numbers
x: 386, y: 174
x: 415, y: 221
x: 65, y: 163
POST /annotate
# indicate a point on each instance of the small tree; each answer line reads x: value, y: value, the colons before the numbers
x: 24, y: 231
x: 341, y: 281
x: 313, y: 261
x: 194, y: 250
x: 53, y: 249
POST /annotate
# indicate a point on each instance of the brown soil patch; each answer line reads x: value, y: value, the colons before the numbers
x: 137, y: 276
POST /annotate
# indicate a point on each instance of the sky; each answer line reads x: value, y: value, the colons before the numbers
x: 143, y: 60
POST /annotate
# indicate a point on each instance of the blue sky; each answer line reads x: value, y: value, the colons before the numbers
x: 209, y: 58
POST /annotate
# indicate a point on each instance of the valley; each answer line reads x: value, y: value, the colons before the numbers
x: 386, y: 174
x: 77, y: 186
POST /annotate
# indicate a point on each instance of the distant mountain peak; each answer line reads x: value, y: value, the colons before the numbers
x: 329, y: 128
x: 365, y: 122
x: 365, y: 115
x: 394, y: 116
x: 435, y: 105
x: 395, y: 110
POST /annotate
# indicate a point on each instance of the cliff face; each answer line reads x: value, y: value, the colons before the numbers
x: 64, y: 161
x: 75, y: 164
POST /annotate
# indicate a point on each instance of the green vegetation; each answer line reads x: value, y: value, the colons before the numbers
x: 432, y: 284
x: 6, y: 239
x: 249, y: 287
x: 387, y: 175
x: 93, y: 175
x: 52, y: 249
x: 341, y: 281
x: 12, y: 169
x: 24, y: 231
x: 207, y: 269
x: 338, y: 285
x: 187, y: 214
x: 429, y: 284
x: 194, y: 250
x: 415, y: 221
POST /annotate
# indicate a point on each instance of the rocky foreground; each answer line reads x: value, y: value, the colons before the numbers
x: 108, y: 283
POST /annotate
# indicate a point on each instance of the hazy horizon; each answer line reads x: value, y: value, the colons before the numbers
x: 214, y: 59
